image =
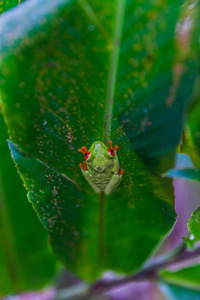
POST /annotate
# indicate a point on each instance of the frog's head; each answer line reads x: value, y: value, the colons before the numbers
x: 99, y: 156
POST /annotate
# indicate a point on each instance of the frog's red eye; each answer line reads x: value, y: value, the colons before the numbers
x: 111, y: 152
x: 87, y: 155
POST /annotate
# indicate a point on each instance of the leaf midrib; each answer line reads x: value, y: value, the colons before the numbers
x: 114, y: 60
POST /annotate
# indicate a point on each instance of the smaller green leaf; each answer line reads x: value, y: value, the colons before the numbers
x: 188, y: 277
x: 188, y: 147
x: 189, y: 240
x: 194, y: 224
x: 189, y: 174
x: 194, y: 120
x: 174, y: 292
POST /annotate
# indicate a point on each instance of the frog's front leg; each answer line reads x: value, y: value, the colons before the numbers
x: 88, y: 177
x: 114, y: 182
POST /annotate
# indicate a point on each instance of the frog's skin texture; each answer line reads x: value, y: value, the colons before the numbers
x: 101, y: 167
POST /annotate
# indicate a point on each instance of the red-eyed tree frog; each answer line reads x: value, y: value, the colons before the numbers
x: 101, y: 167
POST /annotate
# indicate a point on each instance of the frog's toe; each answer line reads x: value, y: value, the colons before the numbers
x: 83, y: 166
x: 121, y: 171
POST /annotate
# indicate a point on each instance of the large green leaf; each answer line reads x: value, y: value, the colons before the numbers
x: 79, y: 236
x: 75, y: 72
x: 25, y: 261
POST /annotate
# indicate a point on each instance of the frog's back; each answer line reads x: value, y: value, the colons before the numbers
x: 102, y: 178
x: 100, y: 165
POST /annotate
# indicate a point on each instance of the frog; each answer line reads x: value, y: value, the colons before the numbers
x: 101, y: 167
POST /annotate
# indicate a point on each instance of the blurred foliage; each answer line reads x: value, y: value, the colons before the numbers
x: 194, y: 225
x: 194, y: 121
x: 188, y: 147
x: 8, y: 4
x: 190, y: 174
x: 187, y: 277
x: 175, y: 292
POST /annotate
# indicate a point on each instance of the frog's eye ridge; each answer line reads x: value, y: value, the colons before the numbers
x: 85, y: 152
x: 87, y: 155
x: 112, y: 149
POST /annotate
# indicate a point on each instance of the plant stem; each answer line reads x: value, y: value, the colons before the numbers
x: 149, y: 272
x: 101, y: 228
